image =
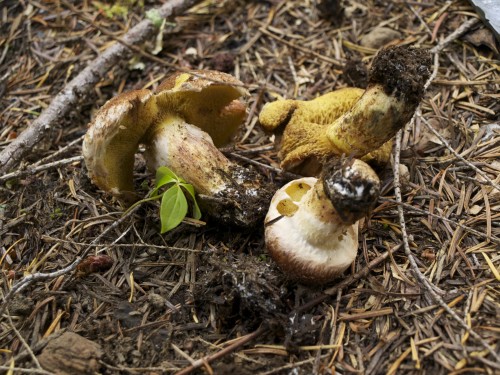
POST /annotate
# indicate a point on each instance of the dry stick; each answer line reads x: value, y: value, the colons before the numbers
x: 435, y: 50
x: 41, y: 276
x: 463, y: 28
x: 416, y: 271
x: 397, y: 191
x: 348, y: 281
x: 19, y: 370
x: 43, y: 167
x: 487, y: 181
x: 23, y: 341
x: 210, y: 358
x: 83, y: 83
x: 62, y: 150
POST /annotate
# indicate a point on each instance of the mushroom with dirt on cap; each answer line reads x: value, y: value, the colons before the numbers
x: 351, y: 121
x: 311, y: 228
x: 181, y: 125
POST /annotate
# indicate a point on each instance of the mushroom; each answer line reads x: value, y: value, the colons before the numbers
x: 350, y: 120
x: 311, y: 229
x: 181, y: 125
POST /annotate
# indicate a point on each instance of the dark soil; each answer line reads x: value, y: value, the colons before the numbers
x: 402, y: 71
x: 205, y: 294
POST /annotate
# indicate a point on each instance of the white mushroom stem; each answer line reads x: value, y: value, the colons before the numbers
x: 180, y: 124
x: 307, y: 233
x: 228, y: 192
x: 187, y: 148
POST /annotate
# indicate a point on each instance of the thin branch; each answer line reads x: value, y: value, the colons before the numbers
x: 62, y: 150
x: 487, y: 181
x: 441, y: 217
x: 19, y: 370
x: 39, y: 168
x: 462, y: 29
x: 80, y: 86
x: 229, y: 349
x: 41, y: 276
x: 413, y: 264
x: 348, y: 281
x: 23, y: 341
x: 397, y: 192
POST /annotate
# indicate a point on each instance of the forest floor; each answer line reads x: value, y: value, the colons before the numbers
x: 204, y: 297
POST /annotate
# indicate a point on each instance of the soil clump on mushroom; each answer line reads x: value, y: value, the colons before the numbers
x: 401, y: 71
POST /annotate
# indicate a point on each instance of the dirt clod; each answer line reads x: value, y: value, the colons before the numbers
x: 71, y: 354
x: 402, y: 71
x: 223, y: 62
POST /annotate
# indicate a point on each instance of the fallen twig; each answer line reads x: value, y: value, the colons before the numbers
x: 41, y: 276
x: 83, y: 84
x: 210, y: 358
x: 397, y: 192
x: 348, y: 281
x: 34, y: 169
x: 23, y: 341
x: 487, y: 181
x: 443, y: 218
x: 414, y: 267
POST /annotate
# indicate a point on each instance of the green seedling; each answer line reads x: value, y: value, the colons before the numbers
x: 177, y: 198
x: 174, y: 199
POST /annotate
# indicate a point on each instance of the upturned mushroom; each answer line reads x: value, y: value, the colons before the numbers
x: 350, y: 121
x: 181, y: 125
x: 311, y: 229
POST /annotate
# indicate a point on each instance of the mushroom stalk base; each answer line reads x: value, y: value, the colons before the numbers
x: 226, y: 191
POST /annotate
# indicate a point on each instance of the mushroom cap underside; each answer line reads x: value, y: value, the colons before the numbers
x: 304, y: 125
x: 207, y: 99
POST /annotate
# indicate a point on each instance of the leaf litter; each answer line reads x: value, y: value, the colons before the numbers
x: 206, y: 296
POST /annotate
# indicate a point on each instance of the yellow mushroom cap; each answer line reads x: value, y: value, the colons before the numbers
x: 207, y: 99
x: 304, y: 125
x: 351, y: 121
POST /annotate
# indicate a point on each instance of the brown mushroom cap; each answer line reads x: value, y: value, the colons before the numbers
x: 180, y: 124
x: 112, y: 140
x: 205, y: 99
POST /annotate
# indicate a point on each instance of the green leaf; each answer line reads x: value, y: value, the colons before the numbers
x: 173, y: 208
x: 196, y: 209
x: 165, y: 174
